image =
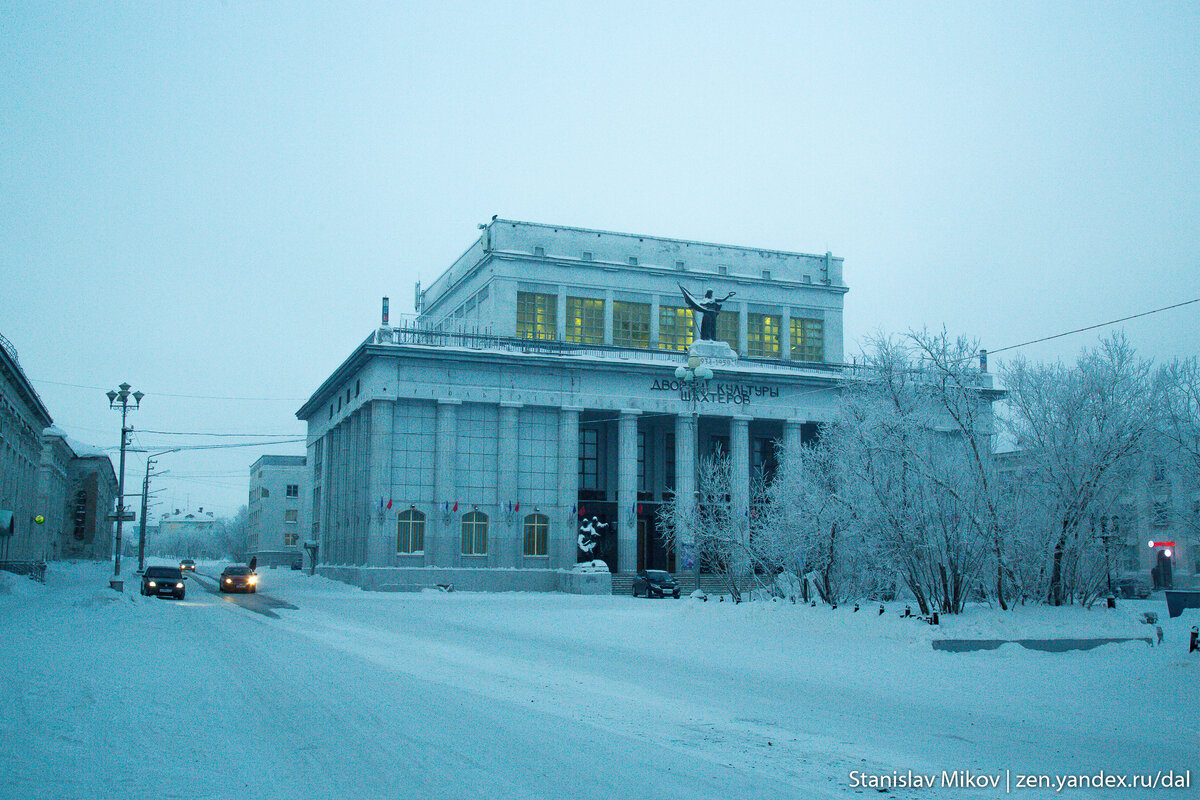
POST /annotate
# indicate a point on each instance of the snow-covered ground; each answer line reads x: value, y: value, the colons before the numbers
x: 368, y: 695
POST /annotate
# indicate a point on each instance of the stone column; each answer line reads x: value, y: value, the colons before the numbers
x: 506, y: 549
x: 627, y: 491
x: 608, y: 316
x: 685, y: 481
x: 382, y: 539
x: 447, y: 545
x: 564, y: 520
x: 743, y: 328
x: 785, y: 334
x: 791, y: 437
x: 654, y: 315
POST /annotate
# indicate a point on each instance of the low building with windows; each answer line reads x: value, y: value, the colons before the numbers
x: 278, y: 510
x: 529, y: 416
x: 23, y: 417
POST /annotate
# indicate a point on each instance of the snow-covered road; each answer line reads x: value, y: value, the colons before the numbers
x: 356, y: 694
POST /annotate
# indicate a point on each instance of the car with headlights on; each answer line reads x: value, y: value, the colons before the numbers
x: 163, y: 582
x: 655, y: 583
x: 238, y: 578
x: 187, y: 565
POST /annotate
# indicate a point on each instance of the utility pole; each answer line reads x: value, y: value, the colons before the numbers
x: 146, y: 506
x: 119, y: 398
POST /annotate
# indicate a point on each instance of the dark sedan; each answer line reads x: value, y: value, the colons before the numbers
x: 655, y: 583
x: 236, y: 578
x: 163, y: 582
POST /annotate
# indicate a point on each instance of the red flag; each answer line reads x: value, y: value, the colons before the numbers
x: 639, y: 508
x: 581, y: 511
x: 389, y: 505
x: 455, y: 505
x: 518, y: 508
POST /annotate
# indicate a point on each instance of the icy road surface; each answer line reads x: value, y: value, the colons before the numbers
x: 364, y: 695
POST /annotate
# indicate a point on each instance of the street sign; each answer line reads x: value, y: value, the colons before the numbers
x: 126, y: 517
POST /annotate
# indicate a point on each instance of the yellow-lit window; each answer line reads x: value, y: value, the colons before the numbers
x: 674, y: 328
x: 727, y: 328
x: 585, y: 320
x: 808, y: 339
x: 410, y: 532
x: 631, y: 324
x: 537, y: 534
x: 474, y: 534
x: 536, y: 316
x: 762, y: 335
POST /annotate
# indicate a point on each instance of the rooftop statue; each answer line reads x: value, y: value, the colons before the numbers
x: 708, y: 309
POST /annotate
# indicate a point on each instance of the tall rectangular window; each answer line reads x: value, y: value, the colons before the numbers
x: 291, y: 515
x: 727, y: 329
x: 669, y: 462
x: 631, y: 324
x: 585, y: 320
x: 474, y: 534
x: 293, y: 490
x: 641, y: 447
x: 537, y: 534
x: 410, y: 532
x: 537, y: 316
x: 762, y: 335
x: 808, y: 339
x: 674, y: 328
x: 589, y: 458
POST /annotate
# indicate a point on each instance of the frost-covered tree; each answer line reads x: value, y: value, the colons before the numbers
x: 1084, y: 431
x: 1181, y: 404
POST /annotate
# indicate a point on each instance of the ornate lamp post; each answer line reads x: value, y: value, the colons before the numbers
x: 695, y: 376
x: 119, y: 398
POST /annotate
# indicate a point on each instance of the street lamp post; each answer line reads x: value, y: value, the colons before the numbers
x: 119, y: 398
x: 696, y: 377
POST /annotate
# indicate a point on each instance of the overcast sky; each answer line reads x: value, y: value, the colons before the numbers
x: 207, y: 200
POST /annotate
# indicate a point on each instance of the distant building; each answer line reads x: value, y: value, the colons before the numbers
x: 23, y: 417
x: 183, y: 533
x: 279, y: 509
x: 77, y: 490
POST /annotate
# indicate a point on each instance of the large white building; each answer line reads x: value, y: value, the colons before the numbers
x: 536, y: 390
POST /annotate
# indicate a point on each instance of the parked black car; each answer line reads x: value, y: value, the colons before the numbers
x: 238, y: 578
x: 655, y: 583
x: 163, y: 582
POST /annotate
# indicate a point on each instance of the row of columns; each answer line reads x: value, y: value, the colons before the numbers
x: 363, y: 442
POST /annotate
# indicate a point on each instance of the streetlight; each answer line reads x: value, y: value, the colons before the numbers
x: 119, y: 398
x: 696, y: 377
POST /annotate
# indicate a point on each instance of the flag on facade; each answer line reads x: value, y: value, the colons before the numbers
x: 389, y: 505
x: 518, y: 508
x: 455, y: 506
x: 381, y: 504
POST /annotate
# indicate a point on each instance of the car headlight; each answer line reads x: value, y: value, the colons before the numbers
x: 253, y: 579
x: 179, y: 586
x: 152, y: 584
x: 229, y: 580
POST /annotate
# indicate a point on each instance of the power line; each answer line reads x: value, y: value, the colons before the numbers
x: 200, y: 433
x: 1093, y: 327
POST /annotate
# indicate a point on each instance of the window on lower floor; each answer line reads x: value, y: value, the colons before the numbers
x: 585, y: 320
x: 808, y: 339
x: 537, y: 534
x: 290, y: 538
x: 410, y: 532
x: 537, y: 316
x: 293, y: 490
x: 291, y: 515
x: 631, y: 324
x: 474, y: 533
x: 762, y: 335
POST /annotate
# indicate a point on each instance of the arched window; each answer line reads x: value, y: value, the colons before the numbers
x: 410, y: 532
x: 474, y: 533
x: 537, y: 529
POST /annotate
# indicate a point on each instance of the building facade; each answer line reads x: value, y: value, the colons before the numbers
x: 279, y: 517
x: 23, y: 417
x: 530, y: 417
x: 77, y: 491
